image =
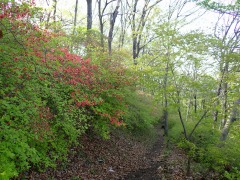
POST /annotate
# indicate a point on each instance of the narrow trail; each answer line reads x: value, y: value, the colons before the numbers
x: 128, y: 160
x: 151, y: 172
x: 166, y: 163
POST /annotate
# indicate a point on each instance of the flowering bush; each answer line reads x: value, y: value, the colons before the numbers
x: 48, y: 96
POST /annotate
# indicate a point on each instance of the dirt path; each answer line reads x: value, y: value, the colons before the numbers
x: 152, y: 156
x: 120, y: 158
x: 165, y: 163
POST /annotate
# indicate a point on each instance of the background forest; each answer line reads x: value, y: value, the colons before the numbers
x: 90, y: 67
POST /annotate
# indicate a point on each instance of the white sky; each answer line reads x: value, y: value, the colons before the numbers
x: 205, y: 22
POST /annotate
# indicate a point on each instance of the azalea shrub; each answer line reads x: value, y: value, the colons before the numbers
x: 48, y: 96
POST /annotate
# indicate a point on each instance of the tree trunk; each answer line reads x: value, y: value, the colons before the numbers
x: 225, y: 104
x: 48, y: 20
x: 188, y: 109
x: 134, y: 36
x: 74, y: 23
x: 182, y: 122
x: 165, y: 110
x: 100, y: 17
x: 54, y: 10
x: 195, y: 103
x: 123, y: 31
x: 137, y: 31
x: 137, y: 28
x: 197, y: 124
x: 218, y: 94
x: 112, y: 23
x: 89, y: 14
x: 75, y: 17
x: 233, y: 117
x: 134, y: 49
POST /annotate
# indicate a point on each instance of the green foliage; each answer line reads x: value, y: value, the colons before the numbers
x: 226, y: 153
x: 234, y: 174
x: 192, y: 150
x: 206, y: 148
x: 85, y: 42
x: 142, y: 112
x: 15, y: 153
x: 229, y: 8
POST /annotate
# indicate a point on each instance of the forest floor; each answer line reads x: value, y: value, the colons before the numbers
x: 121, y: 157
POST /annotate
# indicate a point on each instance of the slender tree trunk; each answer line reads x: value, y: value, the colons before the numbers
x: 100, y: 17
x: 135, y: 49
x: 195, y: 103
x: 89, y: 14
x: 123, y: 31
x: 188, y: 109
x: 182, y: 122
x: 225, y: 104
x: 112, y: 23
x: 138, y: 26
x: 54, y: 10
x: 74, y: 22
x: 165, y: 110
x: 219, y: 90
x: 233, y: 118
x: 196, y: 125
x: 203, y: 104
x: 223, y: 60
x: 75, y: 17
x: 48, y: 20
x: 134, y: 34
x: 137, y: 33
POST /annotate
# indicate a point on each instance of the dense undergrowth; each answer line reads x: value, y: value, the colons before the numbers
x: 206, y: 153
x: 49, y: 97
